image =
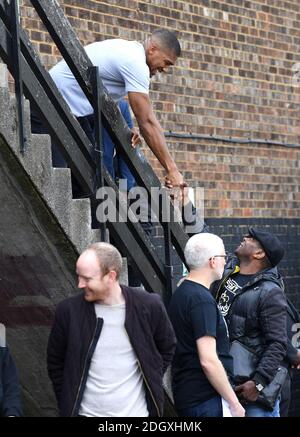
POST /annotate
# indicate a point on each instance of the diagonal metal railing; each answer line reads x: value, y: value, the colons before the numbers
x: 74, y: 144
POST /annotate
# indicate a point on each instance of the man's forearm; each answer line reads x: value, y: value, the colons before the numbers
x: 217, y: 376
x: 155, y: 139
x: 153, y: 134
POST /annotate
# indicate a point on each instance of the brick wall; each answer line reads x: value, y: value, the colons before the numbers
x: 236, y: 75
x: 235, y: 78
x: 241, y: 180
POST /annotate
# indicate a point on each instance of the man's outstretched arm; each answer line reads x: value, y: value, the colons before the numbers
x: 153, y: 134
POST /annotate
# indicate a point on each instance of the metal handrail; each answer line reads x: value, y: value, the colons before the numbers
x: 15, y: 22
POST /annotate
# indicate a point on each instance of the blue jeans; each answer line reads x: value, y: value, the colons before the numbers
x: 124, y: 172
x: 257, y: 410
x: 210, y: 408
x: 87, y: 124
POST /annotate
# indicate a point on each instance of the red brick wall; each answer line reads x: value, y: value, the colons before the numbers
x: 236, y: 78
x: 241, y: 180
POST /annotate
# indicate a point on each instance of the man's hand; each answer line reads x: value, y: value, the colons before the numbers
x: 174, y: 179
x: 247, y: 391
x: 136, y: 139
x: 296, y: 361
x: 179, y: 195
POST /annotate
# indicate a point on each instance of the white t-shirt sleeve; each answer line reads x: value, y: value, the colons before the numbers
x: 136, y: 77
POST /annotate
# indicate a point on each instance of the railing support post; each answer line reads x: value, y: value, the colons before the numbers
x: 15, y: 26
x: 98, y: 150
x: 165, y: 216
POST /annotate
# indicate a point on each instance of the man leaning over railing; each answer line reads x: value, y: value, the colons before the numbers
x: 126, y: 68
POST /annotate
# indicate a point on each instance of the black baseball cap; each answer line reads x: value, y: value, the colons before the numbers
x: 270, y: 244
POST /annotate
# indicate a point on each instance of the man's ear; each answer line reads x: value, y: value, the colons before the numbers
x: 112, y: 275
x: 153, y: 47
x: 212, y: 262
x: 259, y: 254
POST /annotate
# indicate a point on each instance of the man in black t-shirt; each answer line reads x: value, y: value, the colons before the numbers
x: 202, y: 363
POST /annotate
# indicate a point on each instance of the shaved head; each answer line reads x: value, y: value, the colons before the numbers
x: 167, y: 41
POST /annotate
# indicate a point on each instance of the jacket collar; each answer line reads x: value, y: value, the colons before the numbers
x: 232, y: 268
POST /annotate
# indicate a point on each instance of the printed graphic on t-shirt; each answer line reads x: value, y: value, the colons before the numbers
x: 230, y: 289
x: 225, y: 323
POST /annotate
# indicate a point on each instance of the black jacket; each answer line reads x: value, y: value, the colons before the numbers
x: 76, y: 331
x: 10, y: 404
x: 257, y: 317
x: 293, y: 317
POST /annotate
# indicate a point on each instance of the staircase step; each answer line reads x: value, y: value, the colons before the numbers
x: 80, y: 223
x: 3, y: 76
x: 124, y: 273
x: 8, y: 118
x: 95, y: 236
x: 61, y: 198
x: 39, y: 168
x: 53, y: 184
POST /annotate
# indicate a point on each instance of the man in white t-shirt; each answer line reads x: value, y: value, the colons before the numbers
x: 110, y: 345
x: 125, y: 69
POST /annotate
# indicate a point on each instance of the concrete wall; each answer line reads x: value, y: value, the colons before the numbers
x: 37, y: 272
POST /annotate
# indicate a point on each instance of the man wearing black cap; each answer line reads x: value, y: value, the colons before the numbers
x: 252, y: 299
